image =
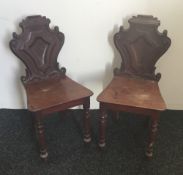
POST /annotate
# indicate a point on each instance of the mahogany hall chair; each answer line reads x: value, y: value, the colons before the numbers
x: 134, y: 87
x: 47, y: 87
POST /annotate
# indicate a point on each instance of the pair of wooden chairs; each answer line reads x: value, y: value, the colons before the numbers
x: 134, y: 87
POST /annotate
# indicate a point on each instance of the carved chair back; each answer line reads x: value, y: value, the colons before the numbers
x: 38, y: 47
x: 140, y: 46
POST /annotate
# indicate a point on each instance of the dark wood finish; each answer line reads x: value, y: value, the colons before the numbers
x: 38, y: 47
x: 102, y: 125
x: 130, y: 91
x: 134, y: 87
x: 87, y: 134
x: 53, y: 92
x: 141, y: 46
x: 153, y: 130
x: 41, y: 136
x: 47, y: 87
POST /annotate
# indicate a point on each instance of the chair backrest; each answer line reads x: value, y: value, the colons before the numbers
x: 140, y: 46
x: 38, y: 47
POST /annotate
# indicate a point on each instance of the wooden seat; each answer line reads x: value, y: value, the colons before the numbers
x: 47, y: 87
x: 134, y: 92
x: 134, y: 87
x: 59, y: 91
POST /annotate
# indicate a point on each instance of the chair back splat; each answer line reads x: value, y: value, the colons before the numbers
x: 141, y: 46
x: 38, y: 47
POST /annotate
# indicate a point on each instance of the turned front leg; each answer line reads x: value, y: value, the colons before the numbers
x: 102, y: 126
x: 41, y: 136
x: 152, y: 134
x: 86, y: 121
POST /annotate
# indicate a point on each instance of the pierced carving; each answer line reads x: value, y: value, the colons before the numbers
x: 140, y: 47
x: 38, y: 47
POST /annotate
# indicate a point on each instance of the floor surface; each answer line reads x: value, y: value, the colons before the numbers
x: 68, y: 155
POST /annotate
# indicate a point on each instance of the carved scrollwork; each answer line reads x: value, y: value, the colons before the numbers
x: 140, y: 47
x: 38, y: 47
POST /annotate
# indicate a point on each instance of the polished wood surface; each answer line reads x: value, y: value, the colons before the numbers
x: 47, y: 87
x: 134, y: 87
x: 141, y: 46
x: 38, y: 47
x: 58, y: 90
x: 130, y: 91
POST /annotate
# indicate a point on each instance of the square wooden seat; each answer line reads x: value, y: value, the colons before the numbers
x: 135, y: 92
x: 55, y: 93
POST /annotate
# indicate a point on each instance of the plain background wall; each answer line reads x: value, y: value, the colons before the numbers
x: 89, y: 53
x: 171, y: 65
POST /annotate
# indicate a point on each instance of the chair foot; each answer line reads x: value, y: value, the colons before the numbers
x: 101, y: 145
x: 87, y: 139
x: 149, y: 156
x: 44, y: 156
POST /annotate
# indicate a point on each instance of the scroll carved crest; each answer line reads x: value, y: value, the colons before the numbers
x: 38, y: 47
x: 140, y: 47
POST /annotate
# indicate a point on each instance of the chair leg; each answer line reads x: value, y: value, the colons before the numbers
x: 102, y: 126
x: 115, y: 115
x: 86, y: 121
x: 41, y: 136
x: 152, y: 134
